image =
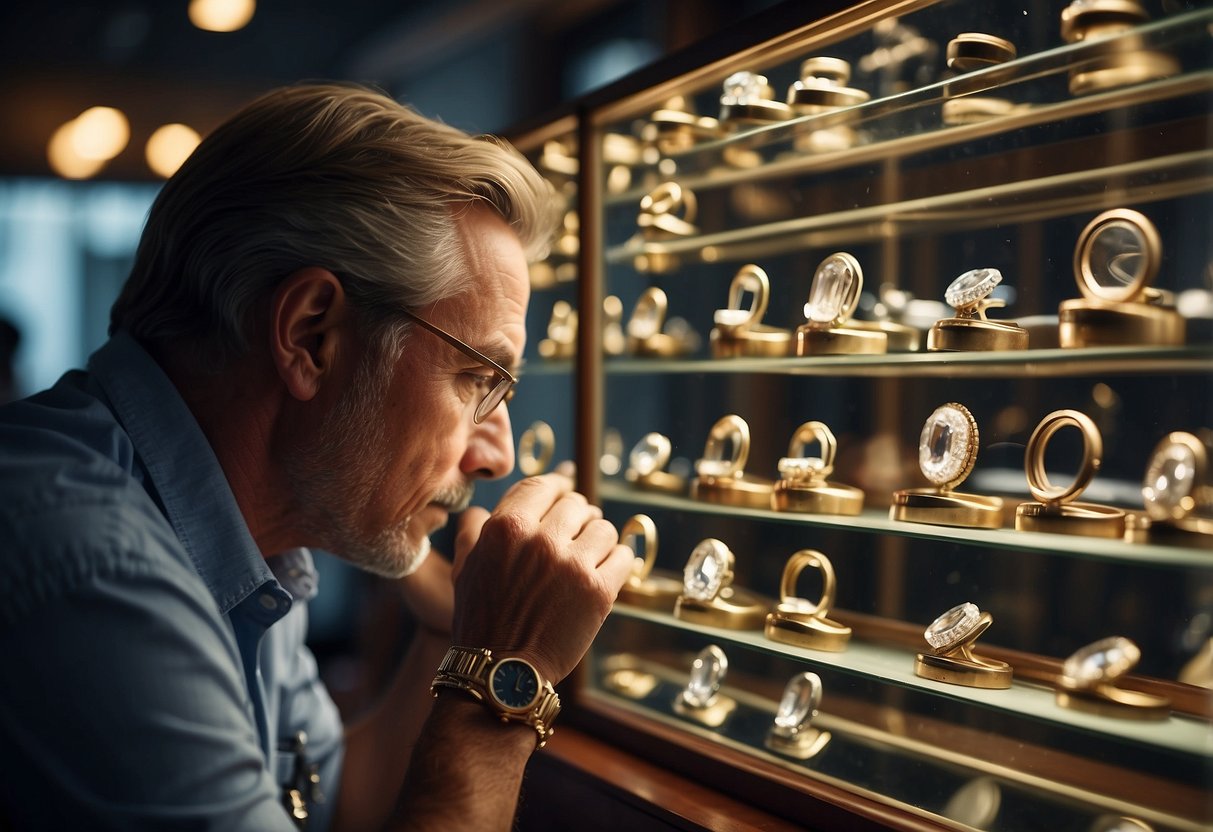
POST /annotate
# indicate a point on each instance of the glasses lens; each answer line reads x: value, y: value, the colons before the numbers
x: 495, y: 396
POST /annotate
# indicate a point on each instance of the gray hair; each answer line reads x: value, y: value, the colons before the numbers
x: 331, y: 175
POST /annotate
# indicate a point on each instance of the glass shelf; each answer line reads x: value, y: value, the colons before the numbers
x: 1148, y: 180
x: 1178, y: 733
x: 876, y: 522
x: 876, y: 754
x: 1020, y: 364
x: 882, y: 115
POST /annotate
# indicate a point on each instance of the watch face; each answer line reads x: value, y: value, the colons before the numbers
x: 514, y: 684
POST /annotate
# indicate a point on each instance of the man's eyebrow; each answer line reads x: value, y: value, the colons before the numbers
x: 504, y: 356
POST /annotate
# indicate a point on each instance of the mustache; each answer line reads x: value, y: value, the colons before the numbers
x: 455, y: 498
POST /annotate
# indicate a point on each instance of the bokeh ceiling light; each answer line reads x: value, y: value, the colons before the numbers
x: 169, y: 146
x: 100, y: 133
x: 63, y: 158
x: 221, y: 15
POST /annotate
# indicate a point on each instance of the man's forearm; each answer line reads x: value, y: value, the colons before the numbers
x: 466, y: 769
x: 378, y: 745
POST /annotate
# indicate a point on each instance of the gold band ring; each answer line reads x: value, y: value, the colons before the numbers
x: 1106, y: 281
x: 798, y: 621
x: 730, y: 429
x: 640, y: 527
x: 791, y: 572
x: 752, y: 279
x: 1034, y: 458
x: 797, y: 466
x: 669, y: 208
x: 952, y: 636
x: 535, y: 449
x: 646, y: 587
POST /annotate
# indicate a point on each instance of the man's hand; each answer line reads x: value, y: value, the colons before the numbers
x: 430, y: 594
x: 538, y: 576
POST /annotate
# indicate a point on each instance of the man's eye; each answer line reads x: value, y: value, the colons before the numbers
x: 480, y: 380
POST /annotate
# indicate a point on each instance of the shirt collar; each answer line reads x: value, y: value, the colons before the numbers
x: 184, y: 471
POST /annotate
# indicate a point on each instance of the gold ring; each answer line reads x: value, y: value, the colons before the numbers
x: 835, y: 290
x: 645, y: 587
x: 1092, y: 452
x: 1122, y: 69
x: 947, y: 452
x: 974, y: 50
x: 792, y: 732
x: 970, y: 329
x: 1176, y: 480
x: 535, y: 449
x: 947, y: 446
x: 626, y: 675
x: 799, y: 468
x: 747, y: 97
x: 646, y: 462
x: 723, y: 480
x: 646, y: 335
x: 731, y: 429
x: 952, y: 636
x: 830, y: 69
x: 740, y: 331
x: 817, y: 95
x: 797, y: 620
x: 708, y: 595
x: 669, y: 208
x: 640, y: 527
x: 562, y: 332
x: 1088, y: 682
x: 791, y: 572
x: 701, y: 699
x: 833, y: 296
x: 803, y: 484
x: 752, y: 279
x: 1082, y: 16
x: 1103, y: 248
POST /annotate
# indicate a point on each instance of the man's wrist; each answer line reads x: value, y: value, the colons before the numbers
x: 509, y: 687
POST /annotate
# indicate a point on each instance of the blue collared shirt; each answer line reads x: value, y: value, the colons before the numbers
x: 155, y: 671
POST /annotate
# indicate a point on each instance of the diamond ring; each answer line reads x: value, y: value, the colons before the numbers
x: 1089, y: 676
x: 964, y: 293
x: 799, y: 468
x: 1175, y: 483
x: 947, y: 446
x: 953, y: 628
x: 730, y: 431
x: 701, y: 699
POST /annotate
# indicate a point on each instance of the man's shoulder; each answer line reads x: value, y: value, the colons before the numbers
x: 70, y: 506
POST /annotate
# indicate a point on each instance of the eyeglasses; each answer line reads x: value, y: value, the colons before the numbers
x: 502, y: 389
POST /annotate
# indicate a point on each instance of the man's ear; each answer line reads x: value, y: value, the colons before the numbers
x: 307, y: 313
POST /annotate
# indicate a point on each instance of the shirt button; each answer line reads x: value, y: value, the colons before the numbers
x: 269, y: 602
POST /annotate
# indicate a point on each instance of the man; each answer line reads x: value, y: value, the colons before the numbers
x: 313, y: 349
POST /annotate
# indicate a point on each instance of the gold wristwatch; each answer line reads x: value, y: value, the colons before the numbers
x: 511, y: 688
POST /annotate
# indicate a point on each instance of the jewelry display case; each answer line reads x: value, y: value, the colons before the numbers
x: 846, y: 467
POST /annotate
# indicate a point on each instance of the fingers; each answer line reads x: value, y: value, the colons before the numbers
x: 569, y: 515
x: 471, y: 523
x: 566, y: 469
x: 534, y: 496
x: 617, y: 567
x: 598, y: 536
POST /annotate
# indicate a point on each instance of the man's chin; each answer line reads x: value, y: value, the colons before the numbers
x: 416, y: 557
x: 393, y: 555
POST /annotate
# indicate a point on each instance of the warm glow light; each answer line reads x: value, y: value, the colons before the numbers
x: 63, y: 158
x: 221, y: 15
x: 100, y: 133
x: 169, y: 146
